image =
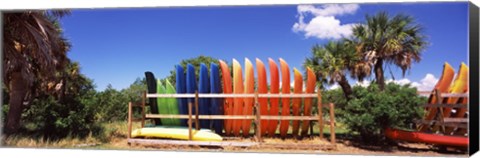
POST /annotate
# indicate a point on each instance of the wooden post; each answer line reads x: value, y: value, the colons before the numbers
x: 129, y: 120
x: 320, y: 113
x: 440, y: 117
x: 311, y: 128
x: 258, y: 131
x: 332, y: 123
x: 190, y: 121
x: 197, y: 127
x: 144, y: 98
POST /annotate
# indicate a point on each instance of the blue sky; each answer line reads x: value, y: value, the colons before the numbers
x: 115, y: 46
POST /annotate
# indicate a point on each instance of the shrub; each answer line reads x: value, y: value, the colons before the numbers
x: 371, y: 110
x: 59, y: 116
x: 112, y: 105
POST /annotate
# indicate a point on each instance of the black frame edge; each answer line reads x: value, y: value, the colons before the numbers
x: 473, y: 79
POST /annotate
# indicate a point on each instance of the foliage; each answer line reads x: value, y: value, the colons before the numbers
x: 34, y: 50
x: 196, y: 63
x: 71, y: 112
x: 113, y: 105
x: 372, y: 110
x: 135, y: 91
x: 333, y: 60
x: 396, y: 40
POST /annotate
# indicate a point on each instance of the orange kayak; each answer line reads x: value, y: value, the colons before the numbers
x: 459, y: 86
x: 274, y: 89
x: 297, y: 102
x: 442, y: 85
x: 237, y: 102
x: 262, y: 89
x: 396, y: 134
x: 248, y: 102
x: 227, y: 89
x: 307, y: 105
x: 284, y: 124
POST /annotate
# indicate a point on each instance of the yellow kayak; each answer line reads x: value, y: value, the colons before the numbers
x: 176, y: 133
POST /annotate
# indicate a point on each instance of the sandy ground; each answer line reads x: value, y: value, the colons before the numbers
x: 342, y: 147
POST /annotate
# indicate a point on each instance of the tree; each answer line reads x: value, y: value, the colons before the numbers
x: 112, y: 105
x: 196, y: 63
x: 68, y: 111
x: 135, y: 91
x: 332, y: 61
x: 386, y: 41
x: 34, y: 52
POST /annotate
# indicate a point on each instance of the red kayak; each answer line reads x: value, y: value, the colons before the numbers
x: 396, y: 134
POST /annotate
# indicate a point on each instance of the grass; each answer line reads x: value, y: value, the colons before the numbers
x: 113, y: 137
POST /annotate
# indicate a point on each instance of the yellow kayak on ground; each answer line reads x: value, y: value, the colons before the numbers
x: 176, y: 133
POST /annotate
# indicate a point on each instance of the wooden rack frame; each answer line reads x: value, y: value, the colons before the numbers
x: 256, y: 117
x: 439, y: 119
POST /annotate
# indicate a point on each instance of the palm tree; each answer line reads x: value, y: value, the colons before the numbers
x: 386, y: 41
x: 33, y: 52
x: 333, y: 60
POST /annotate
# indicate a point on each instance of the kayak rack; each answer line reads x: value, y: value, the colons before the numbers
x: 445, y: 123
x: 256, y: 117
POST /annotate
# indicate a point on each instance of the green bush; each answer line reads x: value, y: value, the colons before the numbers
x: 113, y: 105
x: 66, y: 111
x: 71, y: 113
x: 371, y: 110
x: 336, y: 97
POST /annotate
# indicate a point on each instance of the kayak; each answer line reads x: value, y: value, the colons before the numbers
x: 216, y: 103
x: 191, y: 84
x: 262, y: 89
x: 307, y: 105
x: 296, y: 102
x: 227, y: 102
x: 411, y: 136
x: 204, y: 103
x: 274, y: 89
x: 152, y: 89
x: 180, y: 87
x: 162, y: 104
x: 238, y: 102
x: 459, y: 86
x: 248, y: 102
x: 442, y: 85
x: 176, y: 133
x: 171, y: 103
x: 284, y: 124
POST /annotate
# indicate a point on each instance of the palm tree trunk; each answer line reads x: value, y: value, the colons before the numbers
x: 379, y: 74
x: 347, y: 89
x: 18, y: 90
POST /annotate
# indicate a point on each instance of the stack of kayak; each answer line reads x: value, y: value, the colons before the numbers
x: 218, y: 78
x: 451, y: 136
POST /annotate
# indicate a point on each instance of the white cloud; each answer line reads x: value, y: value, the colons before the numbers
x: 403, y: 81
x: 334, y: 86
x: 324, y: 25
x: 425, y: 84
x: 364, y: 83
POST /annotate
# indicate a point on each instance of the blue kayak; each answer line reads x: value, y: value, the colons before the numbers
x: 216, y: 103
x: 191, y: 85
x: 204, y: 103
x: 181, y: 87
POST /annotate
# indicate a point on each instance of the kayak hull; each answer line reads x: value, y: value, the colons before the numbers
x: 284, y: 124
x: 274, y: 89
x: 248, y: 102
x: 442, y: 85
x: 227, y: 102
x: 176, y: 133
x: 262, y: 89
x: 420, y: 137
